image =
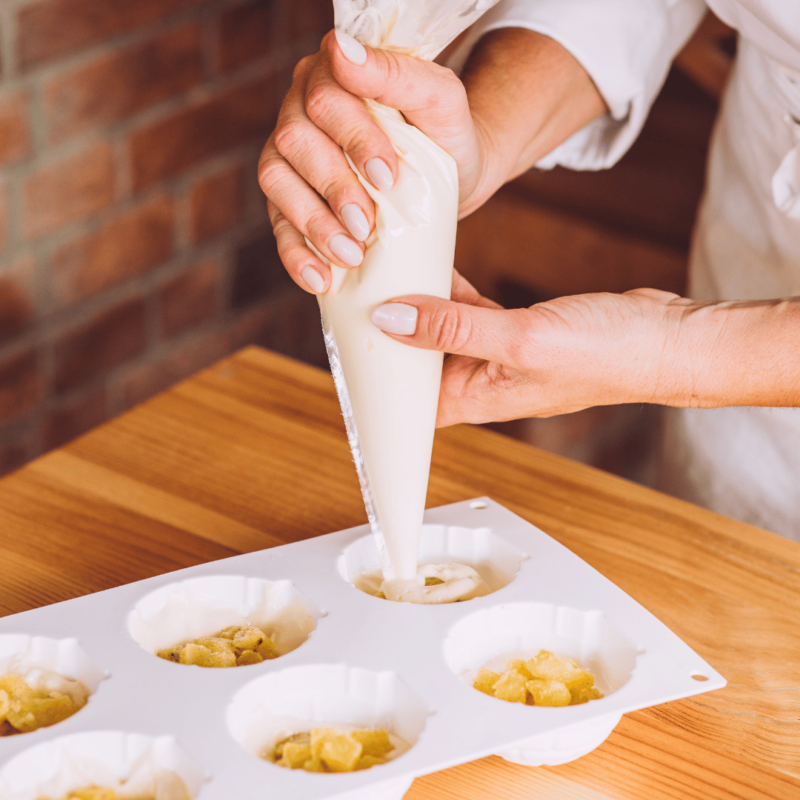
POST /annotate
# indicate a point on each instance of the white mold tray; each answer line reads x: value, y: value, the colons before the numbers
x: 346, y: 658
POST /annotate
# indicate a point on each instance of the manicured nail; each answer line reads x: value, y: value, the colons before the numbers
x: 346, y: 250
x: 395, y: 318
x: 356, y: 221
x: 380, y: 174
x: 313, y: 280
x: 353, y: 49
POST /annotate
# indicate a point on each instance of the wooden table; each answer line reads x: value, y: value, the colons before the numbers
x: 252, y: 453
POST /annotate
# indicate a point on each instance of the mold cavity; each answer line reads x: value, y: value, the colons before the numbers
x: 279, y: 704
x: 43, y: 681
x: 699, y: 678
x: 492, y: 636
x: 496, y: 561
x: 139, y: 766
x: 204, y: 607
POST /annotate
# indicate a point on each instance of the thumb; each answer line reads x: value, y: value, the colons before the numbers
x: 429, y: 95
x: 432, y: 323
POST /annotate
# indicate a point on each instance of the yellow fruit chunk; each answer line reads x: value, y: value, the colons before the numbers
x: 340, y: 753
x: 511, y: 687
x: 200, y: 656
x: 366, y: 761
x: 583, y: 694
x: 486, y: 680
x: 234, y: 646
x: 373, y: 743
x: 548, y: 693
x: 295, y: 755
x: 544, y: 680
x: 332, y: 750
x: 24, y: 709
x: 248, y: 657
x: 92, y: 793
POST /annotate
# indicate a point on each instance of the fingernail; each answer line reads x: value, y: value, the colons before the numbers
x: 380, y: 174
x: 346, y: 250
x: 353, y: 49
x: 313, y: 280
x: 356, y: 221
x: 395, y: 318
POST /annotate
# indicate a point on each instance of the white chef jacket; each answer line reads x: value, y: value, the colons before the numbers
x: 742, y: 462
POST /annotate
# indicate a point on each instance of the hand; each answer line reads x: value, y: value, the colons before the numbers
x: 553, y: 358
x: 312, y: 190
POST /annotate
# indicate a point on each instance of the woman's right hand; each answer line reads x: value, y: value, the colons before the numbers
x: 310, y: 187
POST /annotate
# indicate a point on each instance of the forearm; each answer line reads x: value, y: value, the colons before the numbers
x: 733, y: 354
x: 527, y: 95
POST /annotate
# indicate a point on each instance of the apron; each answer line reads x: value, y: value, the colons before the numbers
x: 745, y: 462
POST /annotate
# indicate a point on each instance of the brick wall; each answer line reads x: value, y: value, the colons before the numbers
x: 134, y: 246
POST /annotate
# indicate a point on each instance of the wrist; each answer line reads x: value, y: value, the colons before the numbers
x: 527, y: 94
x: 732, y: 354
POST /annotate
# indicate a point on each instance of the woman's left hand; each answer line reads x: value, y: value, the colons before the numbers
x: 552, y: 358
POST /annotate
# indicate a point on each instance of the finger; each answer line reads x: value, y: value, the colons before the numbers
x: 306, y: 270
x: 346, y: 120
x: 464, y: 292
x: 316, y: 157
x: 478, y: 391
x: 458, y: 374
x: 429, y: 95
x: 431, y: 323
x: 305, y: 209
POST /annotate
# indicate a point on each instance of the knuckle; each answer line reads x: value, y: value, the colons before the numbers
x: 302, y: 67
x: 272, y: 172
x: 288, y: 137
x: 317, y: 223
x: 320, y: 101
x: 521, y: 347
x: 450, y: 328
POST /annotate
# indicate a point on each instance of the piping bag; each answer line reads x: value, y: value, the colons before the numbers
x: 389, y: 391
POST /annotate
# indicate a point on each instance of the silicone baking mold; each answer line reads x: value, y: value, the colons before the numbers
x: 346, y: 658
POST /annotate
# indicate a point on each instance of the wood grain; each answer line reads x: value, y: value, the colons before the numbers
x: 252, y: 453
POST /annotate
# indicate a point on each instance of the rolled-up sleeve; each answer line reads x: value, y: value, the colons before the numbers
x: 626, y: 46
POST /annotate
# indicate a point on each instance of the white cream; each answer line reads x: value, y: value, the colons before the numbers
x: 392, y: 389
x: 459, y: 582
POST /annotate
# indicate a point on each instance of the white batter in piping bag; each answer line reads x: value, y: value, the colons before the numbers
x: 389, y: 391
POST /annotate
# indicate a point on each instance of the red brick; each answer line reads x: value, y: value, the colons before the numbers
x: 188, y: 299
x: 150, y: 379
x: 3, y: 217
x: 305, y: 18
x: 190, y: 357
x: 50, y: 29
x: 20, y: 385
x: 118, y: 84
x: 171, y: 145
x: 69, y: 190
x: 244, y: 33
x: 16, y: 306
x: 73, y: 418
x: 111, y: 338
x: 127, y: 246
x: 217, y: 203
x: 15, y: 133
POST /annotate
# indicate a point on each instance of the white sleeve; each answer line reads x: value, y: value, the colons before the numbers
x: 626, y: 46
